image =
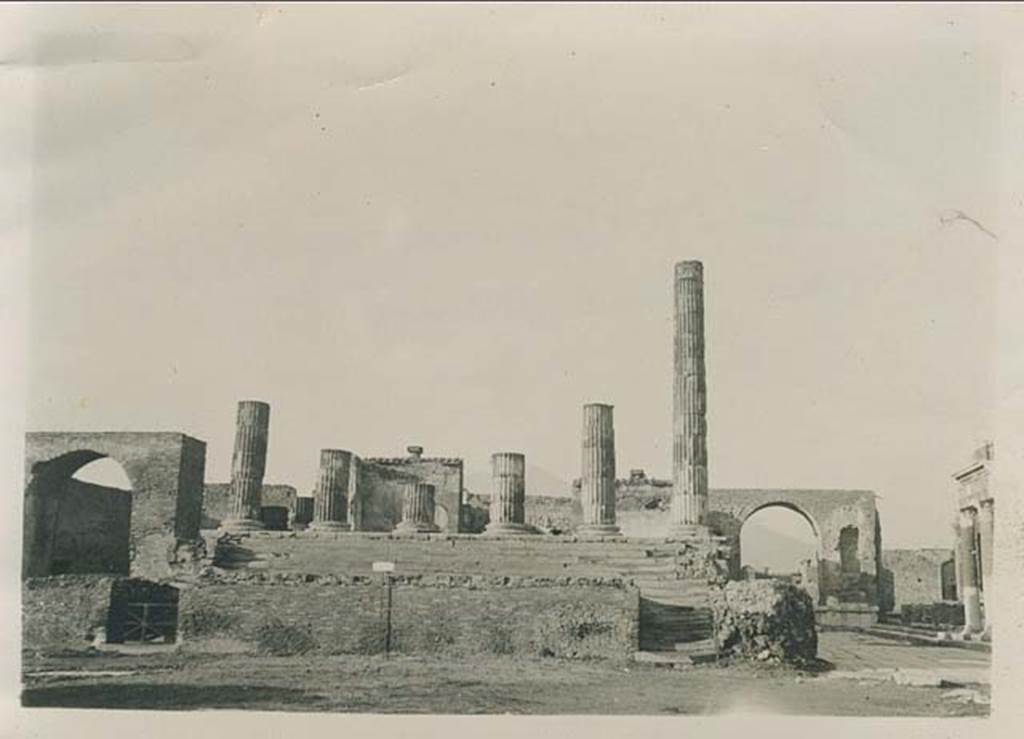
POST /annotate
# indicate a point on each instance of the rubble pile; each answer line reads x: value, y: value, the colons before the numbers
x: 765, y: 620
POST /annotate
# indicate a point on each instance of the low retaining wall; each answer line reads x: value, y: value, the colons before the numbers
x: 846, y: 616
x: 324, y: 553
x: 65, y: 610
x: 457, y: 615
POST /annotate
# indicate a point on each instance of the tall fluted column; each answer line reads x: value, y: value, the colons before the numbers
x: 597, y: 487
x: 986, y: 533
x: 417, y: 509
x: 330, y: 501
x: 968, y: 572
x: 248, y: 465
x: 689, y: 406
x: 508, y: 494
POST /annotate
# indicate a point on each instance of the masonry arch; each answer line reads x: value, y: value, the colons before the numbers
x: 85, y: 523
x: 845, y: 573
x: 165, y: 471
x: 786, y: 521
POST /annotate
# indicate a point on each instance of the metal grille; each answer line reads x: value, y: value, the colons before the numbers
x: 150, y: 622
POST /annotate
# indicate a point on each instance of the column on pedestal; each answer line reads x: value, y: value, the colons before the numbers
x: 417, y: 509
x: 508, y: 494
x: 330, y: 500
x: 248, y: 465
x: 689, y: 405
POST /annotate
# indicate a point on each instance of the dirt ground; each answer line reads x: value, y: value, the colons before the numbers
x: 361, y: 684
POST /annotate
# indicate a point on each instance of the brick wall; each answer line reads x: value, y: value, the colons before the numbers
x: 565, y: 617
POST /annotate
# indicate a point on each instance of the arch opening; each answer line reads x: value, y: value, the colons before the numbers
x: 77, y: 516
x: 779, y: 541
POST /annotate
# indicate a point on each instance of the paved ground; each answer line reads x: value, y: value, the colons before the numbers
x: 173, y: 681
x: 848, y: 650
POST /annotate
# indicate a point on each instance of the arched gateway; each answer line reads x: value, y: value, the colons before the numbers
x: 166, y: 475
x: 845, y: 524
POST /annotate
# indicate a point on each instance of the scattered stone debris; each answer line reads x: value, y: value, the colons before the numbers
x: 765, y: 620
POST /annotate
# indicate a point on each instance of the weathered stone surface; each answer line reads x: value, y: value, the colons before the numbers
x: 64, y: 611
x: 508, y: 495
x: 570, y: 617
x: 334, y: 482
x: 248, y: 465
x: 597, y: 488
x: 417, y: 509
x: 689, y: 402
x: 166, y: 474
x: 765, y: 619
x: 377, y: 505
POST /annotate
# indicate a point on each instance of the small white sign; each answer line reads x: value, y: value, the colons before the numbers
x: 383, y: 566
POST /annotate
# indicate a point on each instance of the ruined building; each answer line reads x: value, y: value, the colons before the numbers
x: 392, y: 553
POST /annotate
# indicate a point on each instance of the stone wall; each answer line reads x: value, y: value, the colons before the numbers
x: 353, y: 553
x: 92, y: 528
x: 64, y: 611
x: 914, y: 576
x: 217, y: 501
x: 378, y: 501
x: 165, y: 470
x: 288, y: 614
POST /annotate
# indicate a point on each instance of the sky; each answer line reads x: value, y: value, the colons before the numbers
x: 453, y: 225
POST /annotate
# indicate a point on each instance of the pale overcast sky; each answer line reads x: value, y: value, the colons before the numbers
x: 453, y: 225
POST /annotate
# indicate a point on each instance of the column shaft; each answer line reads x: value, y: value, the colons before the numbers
x: 417, y: 509
x: 330, y: 500
x: 508, y: 494
x: 597, y: 479
x: 969, y: 595
x: 248, y: 465
x: 985, y: 539
x: 689, y: 428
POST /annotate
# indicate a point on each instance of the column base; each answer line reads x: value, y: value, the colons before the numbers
x: 416, y: 528
x: 598, y: 530
x: 329, y: 526
x: 241, y: 525
x: 508, y: 529
x: 688, y: 532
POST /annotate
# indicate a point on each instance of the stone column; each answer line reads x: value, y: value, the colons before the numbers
x: 248, y: 465
x: 508, y: 494
x: 986, y: 534
x: 417, y: 509
x: 597, y: 488
x: 689, y: 406
x: 302, y: 516
x: 330, y: 500
x: 968, y: 572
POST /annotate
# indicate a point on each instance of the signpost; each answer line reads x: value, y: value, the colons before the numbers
x: 387, y: 568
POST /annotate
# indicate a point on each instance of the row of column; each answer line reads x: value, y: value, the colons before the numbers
x: 974, y: 531
x: 338, y: 468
